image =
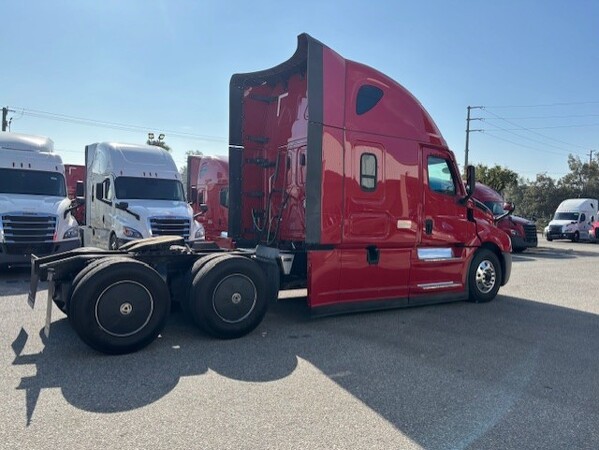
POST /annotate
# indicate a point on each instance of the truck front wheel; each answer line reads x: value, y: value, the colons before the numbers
x: 229, y: 297
x: 113, y: 243
x: 484, y: 277
x: 119, y: 306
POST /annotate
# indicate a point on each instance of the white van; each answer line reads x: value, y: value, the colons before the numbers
x: 35, y: 212
x: 572, y: 220
x: 132, y: 192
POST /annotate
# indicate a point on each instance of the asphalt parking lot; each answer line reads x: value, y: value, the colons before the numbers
x: 519, y: 372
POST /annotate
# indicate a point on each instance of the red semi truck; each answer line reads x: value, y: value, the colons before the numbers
x: 339, y: 180
x: 75, y: 174
x: 208, y: 193
x: 522, y: 232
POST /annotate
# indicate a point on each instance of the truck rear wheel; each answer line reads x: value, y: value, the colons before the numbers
x: 484, y: 277
x: 229, y: 297
x: 119, y: 306
x: 189, y: 277
x: 63, y: 303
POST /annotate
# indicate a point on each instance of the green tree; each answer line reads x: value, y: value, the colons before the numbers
x: 496, y: 177
x: 583, y: 179
x: 539, y: 198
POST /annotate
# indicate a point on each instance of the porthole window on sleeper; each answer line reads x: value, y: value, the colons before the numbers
x: 367, y: 98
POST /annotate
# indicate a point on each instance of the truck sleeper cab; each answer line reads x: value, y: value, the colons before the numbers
x: 35, y: 213
x: 573, y: 220
x: 342, y: 170
x: 339, y: 181
x: 208, y: 193
x: 134, y: 192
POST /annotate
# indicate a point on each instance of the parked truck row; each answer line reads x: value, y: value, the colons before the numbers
x: 36, y: 215
x: 338, y: 180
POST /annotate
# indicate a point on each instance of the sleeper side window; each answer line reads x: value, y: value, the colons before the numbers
x: 367, y: 98
x: 368, y: 172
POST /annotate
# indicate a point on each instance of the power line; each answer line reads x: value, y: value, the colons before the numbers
x: 551, y: 127
x: 546, y: 105
x: 112, y: 125
x: 567, y: 116
x: 563, y: 150
x: 534, y: 132
x: 485, y: 133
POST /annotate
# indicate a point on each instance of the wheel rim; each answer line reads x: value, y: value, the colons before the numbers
x: 485, y: 276
x: 124, y: 308
x: 234, y: 298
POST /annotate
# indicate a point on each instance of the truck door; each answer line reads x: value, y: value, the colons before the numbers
x: 101, y: 213
x: 439, y: 263
x: 377, y: 236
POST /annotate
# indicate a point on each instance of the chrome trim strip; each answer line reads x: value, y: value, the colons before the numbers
x: 440, y: 285
x: 439, y: 253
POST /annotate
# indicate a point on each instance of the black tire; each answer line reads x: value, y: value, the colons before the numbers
x: 189, y: 277
x: 229, y: 297
x: 64, y: 307
x: 113, y: 243
x: 484, y: 276
x: 576, y: 237
x: 62, y: 304
x: 119, y: 306
x: 549, y: 238
x: 518, y: 249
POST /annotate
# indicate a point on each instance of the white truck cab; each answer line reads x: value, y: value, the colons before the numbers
x: 573, y: 220
x: 134, y: 191
x: 35, y: 212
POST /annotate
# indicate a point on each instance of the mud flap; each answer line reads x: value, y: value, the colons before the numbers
x: 51, y: 288
x: 33, y: 282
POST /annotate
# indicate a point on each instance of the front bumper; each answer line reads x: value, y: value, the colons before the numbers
x: 520, y: 242
x: 559, y: 235
x: 20, y: 254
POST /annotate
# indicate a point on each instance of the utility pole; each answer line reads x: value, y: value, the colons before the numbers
x: 4, y: 114
x: 591, y: 156
x: 468, y: 131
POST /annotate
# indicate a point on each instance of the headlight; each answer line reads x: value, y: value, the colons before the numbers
x: 71, y: 233
x: 200, y: 232
x: 131, y: 233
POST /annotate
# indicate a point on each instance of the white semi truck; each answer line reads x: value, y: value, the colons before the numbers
x: 35, y: 212
x: 573, y: 220
x: 132, y: 192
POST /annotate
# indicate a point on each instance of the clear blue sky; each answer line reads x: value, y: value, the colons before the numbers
x: 165, y: 65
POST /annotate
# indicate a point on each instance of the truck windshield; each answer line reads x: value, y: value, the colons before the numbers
x: 566, y: 216
x: 32, y: 182
x: 495, y: 207
x: 148, y: 189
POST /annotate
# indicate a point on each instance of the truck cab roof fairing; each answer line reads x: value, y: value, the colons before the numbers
x: 308, y: 56
x: 308, y: 60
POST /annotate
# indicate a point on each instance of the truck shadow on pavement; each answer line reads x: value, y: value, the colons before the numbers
x: 15, y: 281
x: 473, y: 373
